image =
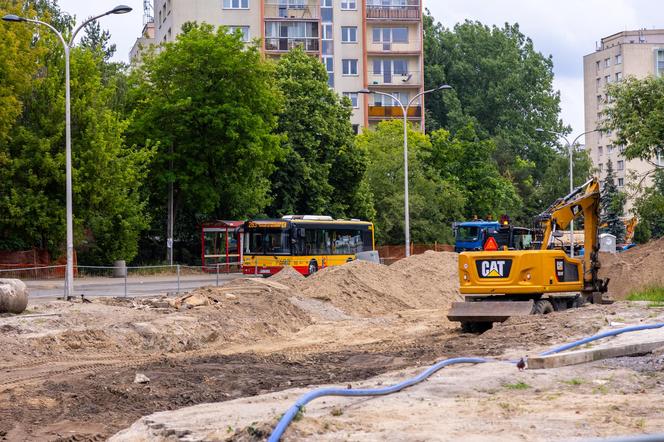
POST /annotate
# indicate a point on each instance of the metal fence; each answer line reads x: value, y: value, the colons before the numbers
x: 48, y: 281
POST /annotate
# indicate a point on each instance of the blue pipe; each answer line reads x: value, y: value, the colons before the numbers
x: 602, y: 336
x: 314, y: 394
x: 308, y: 397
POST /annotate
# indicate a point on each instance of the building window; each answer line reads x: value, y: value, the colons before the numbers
x: 609, y: 149
x: 284, y: 36
x: 607, y: 62
x: 600, y: 167
x: 597, y: 65
x: 383, y: 100
x: 607, y: 79
x: 356, y: 129
x: 600, y: 151
x: 326, y: 4
x: 621, y: 182
x: 326, y: 29
x: 348, y: 5
x: 619, y: 59
x: 349, y: 34
x: 621, y: 165
x: 244, y: 30
x: 236, y: 4
x: 659, y: 70
x: 390, y: 35
x: 598, y: 83
x: 621, y: 149
x: 352, y: 96
x: 618, y: 76
x: 349, y: 66
x: 599, y: 100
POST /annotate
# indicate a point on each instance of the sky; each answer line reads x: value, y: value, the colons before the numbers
x: 565, y: 29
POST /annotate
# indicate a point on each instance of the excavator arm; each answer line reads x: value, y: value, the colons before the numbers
x: 584, y: 200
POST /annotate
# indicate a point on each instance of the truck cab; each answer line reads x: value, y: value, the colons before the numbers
x: 471, y: 235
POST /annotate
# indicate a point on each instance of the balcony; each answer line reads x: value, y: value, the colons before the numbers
x: 291, y: 9
x: 410, y: 79
x: 382, y: 112
x: 286, y: 44
x: 406, y: 12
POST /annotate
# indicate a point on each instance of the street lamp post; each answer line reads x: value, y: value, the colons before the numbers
x: 121, y: 9
x: 571, y: 173
x: 404, y: 109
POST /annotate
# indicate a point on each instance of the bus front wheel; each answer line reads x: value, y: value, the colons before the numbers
x: 313, y: 267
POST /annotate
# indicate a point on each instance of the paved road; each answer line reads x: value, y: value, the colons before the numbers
x: 136, y: 286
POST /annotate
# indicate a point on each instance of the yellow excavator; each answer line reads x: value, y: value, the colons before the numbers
x: 502, y: 283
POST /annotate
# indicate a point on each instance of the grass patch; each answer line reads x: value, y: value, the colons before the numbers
x: 517, y: 386
x: 654, y: 294
x: 574, y: 381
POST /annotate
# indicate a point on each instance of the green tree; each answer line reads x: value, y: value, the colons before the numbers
x: 636, y: 115
x: 210, y: 103
x: 650, y: 210
x: 467, y: 161
x: 107, y: 174
x: 612, y: 205
x: 555, y: 182
x: 323, y: 169
x: 504, y: 88
x: 499, y: 80
x: 18, y: 67
x: 434, y: 202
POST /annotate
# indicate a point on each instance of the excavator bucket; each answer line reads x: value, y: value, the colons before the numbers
x: 488, y: 311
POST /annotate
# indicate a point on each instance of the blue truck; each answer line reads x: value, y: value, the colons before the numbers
x: 471, y: 235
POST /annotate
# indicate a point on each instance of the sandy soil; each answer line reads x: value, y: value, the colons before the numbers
x: 68, y: 369
x: 633, y: 269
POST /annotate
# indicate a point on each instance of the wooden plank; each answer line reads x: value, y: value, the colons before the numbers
x: 488, y: 311
x: 593, y: 354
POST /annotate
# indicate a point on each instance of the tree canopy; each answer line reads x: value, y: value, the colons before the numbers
x: 322, y: 170
x: 109, y: 212
x: 503, y: 87
x: 636, y: 115
x: 434, y: 202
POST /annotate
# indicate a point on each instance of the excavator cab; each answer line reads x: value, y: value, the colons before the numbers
x: 498, y: 284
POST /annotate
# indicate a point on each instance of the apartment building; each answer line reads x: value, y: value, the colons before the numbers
x: 618, y: 56
x: 374, y: 44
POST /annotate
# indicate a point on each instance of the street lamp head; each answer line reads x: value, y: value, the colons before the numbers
x: 13, y: 18
x: 539, y: 129
x: 364, y: 91
x: 444, y: 87
x: 120, y: 9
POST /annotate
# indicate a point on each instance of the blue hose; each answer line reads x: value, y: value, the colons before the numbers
x: 314, y: 394
x: 308, y: 397
x: 602, y: 336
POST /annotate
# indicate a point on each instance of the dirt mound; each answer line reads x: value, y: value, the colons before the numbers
x: 245, y: 310
x: 288, y: 276
x: 433, y: 277
x: 634, y: 269
x: 427, y: 281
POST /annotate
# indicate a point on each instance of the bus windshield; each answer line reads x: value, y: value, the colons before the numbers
x: 467, y: 233
x: 267, y: 242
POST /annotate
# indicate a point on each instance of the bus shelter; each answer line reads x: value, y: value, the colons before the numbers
x: 221, y: 246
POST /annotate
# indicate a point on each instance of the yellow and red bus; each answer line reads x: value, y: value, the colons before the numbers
x: 305, y: 242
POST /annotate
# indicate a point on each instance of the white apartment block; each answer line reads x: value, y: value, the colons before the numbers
x: 374, y: 44
x: 629, y: 53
